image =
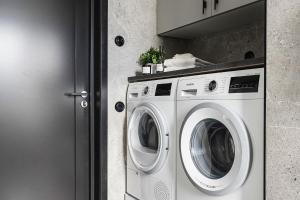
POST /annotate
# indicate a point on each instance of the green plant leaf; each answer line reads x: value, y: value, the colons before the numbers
x: 153, y: 55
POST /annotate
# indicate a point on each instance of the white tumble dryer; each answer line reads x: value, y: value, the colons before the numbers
x: 221, y: 136
x: 151, y: 140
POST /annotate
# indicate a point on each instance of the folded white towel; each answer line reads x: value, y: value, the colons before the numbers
x: 180, y: 62
x: 184, y: 56
x: 169, y: 69
x: 186, y: 59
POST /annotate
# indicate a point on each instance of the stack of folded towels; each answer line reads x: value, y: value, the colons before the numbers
x: 184, y: 61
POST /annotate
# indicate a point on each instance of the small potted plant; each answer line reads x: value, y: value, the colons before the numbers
x: 160, y: 65
x: 149, y: 60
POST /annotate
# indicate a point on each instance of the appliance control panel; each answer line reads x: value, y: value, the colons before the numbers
x: 235, y: 84
x: 214, y: 85
x: 244, y: 84
x: 147, y: 90
x: 162, y: 89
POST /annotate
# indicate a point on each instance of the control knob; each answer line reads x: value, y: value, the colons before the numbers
x: 146, y: 90
x: 212, y: 85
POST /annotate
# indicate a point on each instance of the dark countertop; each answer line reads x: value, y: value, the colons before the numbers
x: 222, y: 67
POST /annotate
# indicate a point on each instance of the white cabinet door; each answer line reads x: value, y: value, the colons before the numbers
x: 220, y: 6
x: 173, y: 14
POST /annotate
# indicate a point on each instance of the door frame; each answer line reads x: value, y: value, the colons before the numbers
x: 98, y: 100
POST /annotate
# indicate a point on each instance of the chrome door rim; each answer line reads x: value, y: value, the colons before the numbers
x: 241, y: 165
x: 163, y: 137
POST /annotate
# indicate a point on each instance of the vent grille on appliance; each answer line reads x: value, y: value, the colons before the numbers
x: 161, y: 191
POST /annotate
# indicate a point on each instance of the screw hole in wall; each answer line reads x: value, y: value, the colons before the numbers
x: 249, y: 55
x: 119, y: 106
x: 119, y: 40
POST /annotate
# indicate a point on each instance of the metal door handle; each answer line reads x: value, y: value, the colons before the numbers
x: 204, y: 6
x: 216, y: 3
x: 82, y: 94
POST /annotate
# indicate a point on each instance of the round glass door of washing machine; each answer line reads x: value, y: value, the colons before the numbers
x: 147, y: 138
x: 215, y: 149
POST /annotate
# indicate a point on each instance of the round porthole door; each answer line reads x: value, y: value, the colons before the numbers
x: 215, y: 149
x: 147, y: 138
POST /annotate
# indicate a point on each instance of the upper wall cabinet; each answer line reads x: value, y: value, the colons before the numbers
x: 189, y: 18
x: 177, y: 13
x: 221, y: 6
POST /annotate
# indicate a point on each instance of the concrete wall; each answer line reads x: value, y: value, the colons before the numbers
x: 225, y: 46
x: 136, y: 21
x: 229, y: 45
x: 283, y: 100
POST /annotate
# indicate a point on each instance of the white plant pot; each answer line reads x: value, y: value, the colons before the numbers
x: 153, y: 68
x: 159, y: 68
x: 146, y: 69
x: 149, y: 68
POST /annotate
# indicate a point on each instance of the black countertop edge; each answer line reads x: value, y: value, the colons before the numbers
x: 222, y: 67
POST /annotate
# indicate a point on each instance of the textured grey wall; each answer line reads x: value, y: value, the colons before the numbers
x: 283, y: 100
x: 225, y: 46
x: 136, y: 21
x: 230, y: 45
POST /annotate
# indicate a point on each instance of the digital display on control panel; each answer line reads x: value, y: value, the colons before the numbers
x: 244, y: 84
x: 163, y: 89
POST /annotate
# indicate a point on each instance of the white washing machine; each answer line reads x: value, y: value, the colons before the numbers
x: 221, y: 136
x: 151, y: 140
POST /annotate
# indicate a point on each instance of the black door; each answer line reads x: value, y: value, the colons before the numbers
x: 44, y: 134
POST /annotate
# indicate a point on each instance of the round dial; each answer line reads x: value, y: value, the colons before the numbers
x: 146, y: 90
x: 212, y: 85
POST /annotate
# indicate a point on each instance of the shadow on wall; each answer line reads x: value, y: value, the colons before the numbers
x: 225, y: 46
x: 125, y: 140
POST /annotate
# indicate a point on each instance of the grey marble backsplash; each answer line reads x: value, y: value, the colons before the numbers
x: 225, y: 46
x: 283, y: 100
